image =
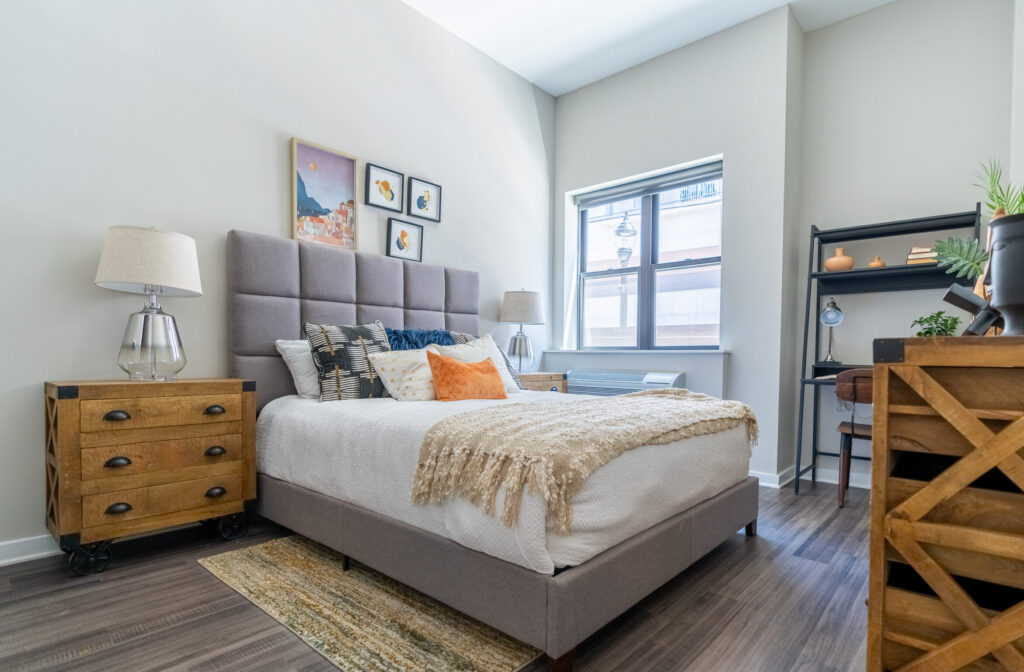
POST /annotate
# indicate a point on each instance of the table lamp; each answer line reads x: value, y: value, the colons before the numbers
x: 521, y: 307
x: 831, y: 317
x: 149, y: 261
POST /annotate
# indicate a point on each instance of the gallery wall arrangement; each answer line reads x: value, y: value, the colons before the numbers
x: 324, y: 208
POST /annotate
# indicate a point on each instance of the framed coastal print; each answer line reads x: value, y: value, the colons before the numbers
x: 384, y: 188
x: 323, y: 195
x: 424, y: 199
x: 405, y: 240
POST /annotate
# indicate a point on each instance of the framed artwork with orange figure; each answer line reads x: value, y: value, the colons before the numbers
x: 405, y: 240
x: 384, y: 188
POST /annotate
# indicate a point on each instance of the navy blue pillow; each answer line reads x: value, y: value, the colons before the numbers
x: 414, y: 339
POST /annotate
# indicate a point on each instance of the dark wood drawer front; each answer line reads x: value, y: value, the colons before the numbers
x: 137, y: 458
x: 113, y: 507
x: 119, y: 414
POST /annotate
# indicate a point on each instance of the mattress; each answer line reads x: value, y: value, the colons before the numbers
x: 365, y: 452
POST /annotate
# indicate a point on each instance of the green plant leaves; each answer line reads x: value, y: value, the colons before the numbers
x: 961, y: 257
x: 936, y: 324
x: 997, y: 194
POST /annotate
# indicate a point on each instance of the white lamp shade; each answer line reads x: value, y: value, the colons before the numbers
x: 522, y: 307
x: 135, y: 257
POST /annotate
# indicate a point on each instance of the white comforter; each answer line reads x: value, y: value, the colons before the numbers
x: 365, y: 452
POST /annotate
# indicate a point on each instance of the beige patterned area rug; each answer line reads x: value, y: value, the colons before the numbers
x: 360, y: 619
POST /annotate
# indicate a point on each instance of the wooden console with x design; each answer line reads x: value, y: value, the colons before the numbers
x: 947, y: 506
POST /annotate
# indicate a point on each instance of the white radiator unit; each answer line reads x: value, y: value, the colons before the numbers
x: 610, y: 383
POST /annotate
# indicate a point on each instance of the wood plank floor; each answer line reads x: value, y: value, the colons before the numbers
x: 790, y: 599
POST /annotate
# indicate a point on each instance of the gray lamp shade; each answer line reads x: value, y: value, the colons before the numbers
x: 135, y: 258
x: 522, y: 307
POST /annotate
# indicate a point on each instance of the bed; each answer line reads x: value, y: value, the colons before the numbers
x: 546, y: 590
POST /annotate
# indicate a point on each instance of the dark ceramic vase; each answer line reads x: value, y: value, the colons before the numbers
x: 1007, y: 270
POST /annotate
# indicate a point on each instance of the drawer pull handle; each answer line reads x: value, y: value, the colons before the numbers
x: 216, y: 409
x: 117, y: 462
x: 216, y: 491
x: 117, y: 416
x: 214, y: 451
x: 119, y: 507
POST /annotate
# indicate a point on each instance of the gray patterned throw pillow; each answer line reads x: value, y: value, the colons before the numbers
x: 341, y: 355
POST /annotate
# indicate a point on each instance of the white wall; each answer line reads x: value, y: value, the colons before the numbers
x: 1017, y: 116
x: 723, y: 95
x: 178, y: 115
x: 901, y: 105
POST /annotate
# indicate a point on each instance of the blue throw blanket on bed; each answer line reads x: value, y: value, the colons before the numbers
x: 414, y: 339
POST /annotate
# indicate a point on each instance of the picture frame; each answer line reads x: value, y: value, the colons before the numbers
x: 323, y: 195
x: 385, y: 188
x: 405, y: 240
x: 424, y: 199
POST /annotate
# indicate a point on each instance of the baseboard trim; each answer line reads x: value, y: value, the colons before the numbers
x: 27, y: 548
x: 857, y: 480
x: 774, y: 480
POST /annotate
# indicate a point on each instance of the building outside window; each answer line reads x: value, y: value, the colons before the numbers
x: 651, y: 260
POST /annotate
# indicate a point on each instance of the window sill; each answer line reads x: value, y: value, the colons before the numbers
x: 637, y: 352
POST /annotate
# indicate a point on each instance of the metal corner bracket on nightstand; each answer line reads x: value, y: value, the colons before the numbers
x: 125, y: 458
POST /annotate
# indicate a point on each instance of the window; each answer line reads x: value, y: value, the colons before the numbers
x: 651, y: 262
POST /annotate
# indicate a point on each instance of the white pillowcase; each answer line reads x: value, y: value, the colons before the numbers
x: 299, y: 360
x: 477, y: 351
x: 405, y: 373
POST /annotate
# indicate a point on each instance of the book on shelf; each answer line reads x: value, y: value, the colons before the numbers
x: 912, y: 262
x: 922, y: 255
x: 917, y: 250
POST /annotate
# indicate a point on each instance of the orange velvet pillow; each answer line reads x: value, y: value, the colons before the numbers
x: 455, y: 380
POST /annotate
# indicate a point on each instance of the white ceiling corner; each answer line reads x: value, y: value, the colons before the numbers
x: 561, y: 46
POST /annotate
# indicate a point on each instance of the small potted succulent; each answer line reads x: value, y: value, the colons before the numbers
x: 1006, y: 202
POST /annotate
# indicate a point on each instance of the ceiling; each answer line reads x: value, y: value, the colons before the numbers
x: 561, y: 45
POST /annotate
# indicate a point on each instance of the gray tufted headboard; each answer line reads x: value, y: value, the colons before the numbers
x: 275, y: 285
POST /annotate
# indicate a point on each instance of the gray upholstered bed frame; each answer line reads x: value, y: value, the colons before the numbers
x: 275, y: 285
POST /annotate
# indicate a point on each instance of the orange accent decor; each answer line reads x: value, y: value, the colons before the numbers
x: 455, y: 380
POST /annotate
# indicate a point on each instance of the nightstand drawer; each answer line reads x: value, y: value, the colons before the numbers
x: 115, y: 507
x: 136, y: 458
x: 544, y: 386
x: 119, y: 414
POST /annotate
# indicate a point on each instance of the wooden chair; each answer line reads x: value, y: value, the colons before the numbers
x: 853, y: 385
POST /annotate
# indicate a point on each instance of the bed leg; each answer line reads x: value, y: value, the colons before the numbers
x: 345, y: 564
x: 563, y: 663
x: 752, y: 528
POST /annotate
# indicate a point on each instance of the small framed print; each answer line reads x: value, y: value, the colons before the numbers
x: 384, y: 188
x: 424, y: 199
x: 405, y: 240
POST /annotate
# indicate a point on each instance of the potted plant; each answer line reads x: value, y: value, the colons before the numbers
x: 961, y: 257
x: 936, y: 324
x: 1006, y: 202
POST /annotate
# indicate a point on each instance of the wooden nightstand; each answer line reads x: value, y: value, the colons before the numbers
x: 543, y: 382
x: 124, y: 458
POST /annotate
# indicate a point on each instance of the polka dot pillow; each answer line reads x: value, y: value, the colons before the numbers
x: 405, y: 374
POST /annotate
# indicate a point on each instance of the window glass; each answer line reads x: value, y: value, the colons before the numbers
x: 609, y: 311
x: 690, y: 222
x: 688, y: 306
x: 613, y: 235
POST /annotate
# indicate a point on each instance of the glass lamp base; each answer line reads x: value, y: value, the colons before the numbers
x: 151, y: 349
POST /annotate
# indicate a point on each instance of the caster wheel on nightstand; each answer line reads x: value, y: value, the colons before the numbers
x: 89, y: 559
x: 233, y: 527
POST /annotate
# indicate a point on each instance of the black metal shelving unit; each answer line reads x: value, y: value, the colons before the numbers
x: 860, y: 281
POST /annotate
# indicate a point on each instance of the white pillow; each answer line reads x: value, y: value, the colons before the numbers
x: 405, y: 374
x: 299, y: 359
x: 477, y: 351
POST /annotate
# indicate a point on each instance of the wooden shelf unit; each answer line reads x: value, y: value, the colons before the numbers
x: 860, y: 281
x: 946, y: 587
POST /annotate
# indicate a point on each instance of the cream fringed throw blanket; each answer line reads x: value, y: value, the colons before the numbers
x: 553, y: 448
